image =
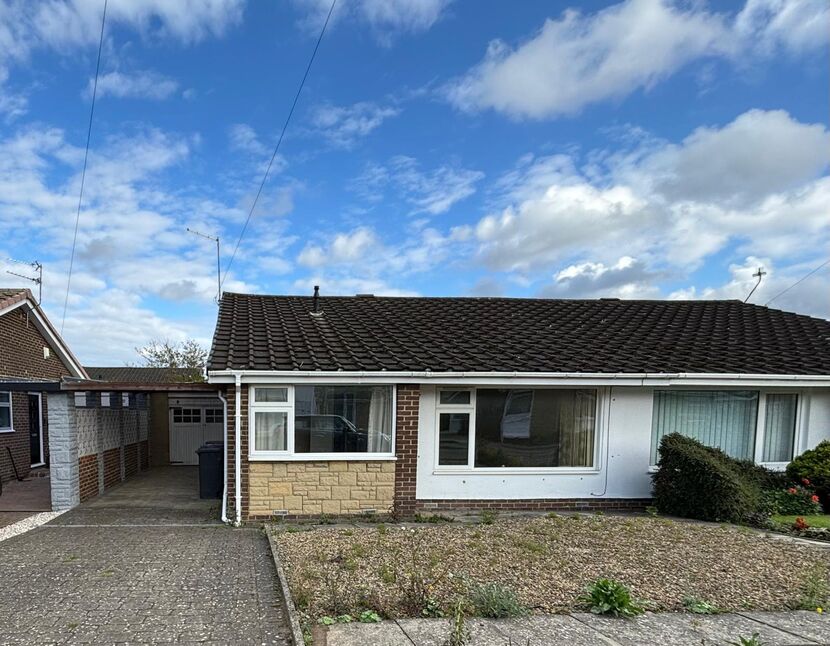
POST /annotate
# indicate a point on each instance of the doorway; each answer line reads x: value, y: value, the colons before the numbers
x: 36, y: 430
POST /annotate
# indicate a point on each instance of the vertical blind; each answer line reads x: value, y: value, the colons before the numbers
x: 721, y: 419
x: 779, y: 427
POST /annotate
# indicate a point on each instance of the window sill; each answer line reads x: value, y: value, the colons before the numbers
x: 550, y: 471
x: 6, y: 430
x: 321, y: 457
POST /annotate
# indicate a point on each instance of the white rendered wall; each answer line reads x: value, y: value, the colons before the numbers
x: 818, y: 418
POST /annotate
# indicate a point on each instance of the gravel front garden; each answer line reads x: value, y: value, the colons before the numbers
x: 417, y: 570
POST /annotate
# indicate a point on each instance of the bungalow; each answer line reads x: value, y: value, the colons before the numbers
x: 347, y: 405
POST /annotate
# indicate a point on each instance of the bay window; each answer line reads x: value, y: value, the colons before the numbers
x: 744, y: 424
x: 321, y: 421
x: 495, y: 428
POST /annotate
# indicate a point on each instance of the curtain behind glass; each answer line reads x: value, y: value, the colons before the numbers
x: 722, y: 419
x: 380, y: 420
x: 779, y: 428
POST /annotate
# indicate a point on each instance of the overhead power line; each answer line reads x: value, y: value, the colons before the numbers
x: 800, y: 280
x: 277, y: 147
x: 83, y: 172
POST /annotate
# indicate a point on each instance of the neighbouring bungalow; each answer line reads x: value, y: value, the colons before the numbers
x: 348, y: 405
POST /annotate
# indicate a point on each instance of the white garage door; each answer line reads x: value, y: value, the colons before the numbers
x: 192, y: 423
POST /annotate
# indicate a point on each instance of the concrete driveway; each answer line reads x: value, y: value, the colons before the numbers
x: 147, y: 562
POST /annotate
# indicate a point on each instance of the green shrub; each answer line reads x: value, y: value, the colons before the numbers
x: 814, y: 466
x: 609, y: 597
x: 793, y: 501
x: 696, y: 481
x: 495, y: 601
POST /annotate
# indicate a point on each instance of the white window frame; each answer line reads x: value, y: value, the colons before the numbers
x: 106, y: 400
x: 80, y: 399
x: 288, y: 407
x: 761, y: 430
x: 600, y: 430
x: 760, y: 420
x: 125, y: 400
x: 10, y: 427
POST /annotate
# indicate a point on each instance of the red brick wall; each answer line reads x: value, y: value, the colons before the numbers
x: 21, y: 355
x: 88, y: 468
x: 112, y: 467
x: 130, y: 460
x: 231, y: 397
x: 406, y: 447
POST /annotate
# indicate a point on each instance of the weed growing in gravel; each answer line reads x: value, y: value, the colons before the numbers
x: 609, y: 597
x: 488, y: 517
x: 552, y: 514
x: 495, y: 601
x: 459, y: 632
x: 815, y: 592
x: 358, y: 550
x: 529, y: 545
x: 699, y: 606
x: 652, y: 511
x: 387, y: 575
x: 369, y: 617
x: 754, y: 640
x: 383, y: 530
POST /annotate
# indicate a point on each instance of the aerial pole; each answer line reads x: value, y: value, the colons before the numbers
x: 218, y: 264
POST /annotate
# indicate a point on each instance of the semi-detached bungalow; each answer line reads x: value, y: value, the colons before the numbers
x: 348, y: 405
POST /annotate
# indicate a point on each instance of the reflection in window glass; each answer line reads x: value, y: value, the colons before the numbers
x: 779, y: 429
x: 453, y: 438
x: 458, y: 397
x: 535, y: 428
x: 343, y: 419
x: 270, y: 394
x: 270, y: 430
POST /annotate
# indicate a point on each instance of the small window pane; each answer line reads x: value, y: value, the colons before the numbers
x: 4, y: 398
x: 270, y: 394
x: 105, y: 400
x: 125, y: 400
x: 80, y: 399
x: 779, y: 428
x: 453, y: 438
x: 5, y: 416
x: 270, y: 431
x: 187, y: 415
x: 458, y: 397
x: 213, y: 416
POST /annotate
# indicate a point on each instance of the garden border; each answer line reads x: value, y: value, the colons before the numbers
x: 288, y: 600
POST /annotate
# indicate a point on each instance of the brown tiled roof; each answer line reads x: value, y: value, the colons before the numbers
x: 142, y: 375
x: 12, y: 295
x: 256, y: 332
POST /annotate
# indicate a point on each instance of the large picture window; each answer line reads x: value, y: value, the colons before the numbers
x: 724, y: 419
x: 517, y: 428
x: 321, y: 420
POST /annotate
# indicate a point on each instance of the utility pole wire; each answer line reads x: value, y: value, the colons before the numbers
x: 277, y: 147
x: 800, y: 280
x: 83, y: 172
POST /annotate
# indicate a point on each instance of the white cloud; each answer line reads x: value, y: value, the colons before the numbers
x: 343, y: 248
x: 386, y: 18
x: 431, y: 192
x: 627, y: 278
x: 137, y: 85
x: 795, y: 25
x: 344, y: 125
x: 668, y: 206
x: 243, y: 137
x: 581, y: 59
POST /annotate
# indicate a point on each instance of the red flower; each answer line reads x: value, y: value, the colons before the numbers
x: 814, y: 498
x: 805, y: 482
x: 792, y: 490
x: 800, y: 524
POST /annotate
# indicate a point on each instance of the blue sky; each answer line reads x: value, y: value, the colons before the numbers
x: 642, y: 149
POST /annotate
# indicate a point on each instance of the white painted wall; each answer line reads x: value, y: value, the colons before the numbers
x: 622, y: 464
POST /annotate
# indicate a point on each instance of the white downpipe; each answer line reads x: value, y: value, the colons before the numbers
x: 225, y: 458
x: 238, y: 449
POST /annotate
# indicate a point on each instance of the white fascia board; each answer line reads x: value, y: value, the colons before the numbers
x: 52, y: 337
x: 517, y: 378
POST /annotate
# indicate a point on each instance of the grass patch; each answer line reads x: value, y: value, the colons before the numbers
x: 821, y: 520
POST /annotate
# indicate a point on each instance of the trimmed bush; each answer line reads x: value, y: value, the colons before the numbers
x: 696, y: 481
x: 792, y: 501
x: 814, y: 466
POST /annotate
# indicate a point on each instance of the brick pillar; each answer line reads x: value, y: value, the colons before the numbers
x: 63, y: 452
x: 406, y: 447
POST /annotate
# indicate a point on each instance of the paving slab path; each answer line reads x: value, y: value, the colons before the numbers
x: 800, y: 628
x: 145, y: 563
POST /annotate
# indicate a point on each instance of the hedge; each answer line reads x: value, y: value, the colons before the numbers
x: 696, y: 481
x: 813, y: 465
